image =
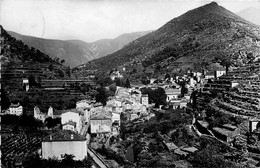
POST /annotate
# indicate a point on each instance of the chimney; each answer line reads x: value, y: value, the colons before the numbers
x: 71, y: 137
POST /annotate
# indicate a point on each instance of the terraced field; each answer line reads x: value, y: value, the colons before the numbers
x: 16, y: 147
x: 243, y: 99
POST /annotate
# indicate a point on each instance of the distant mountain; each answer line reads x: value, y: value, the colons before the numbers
x: 197, y: 38
x: 251, y: 14
x: 75, y: 52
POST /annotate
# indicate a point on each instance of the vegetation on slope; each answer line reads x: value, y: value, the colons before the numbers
x: 197, y: 36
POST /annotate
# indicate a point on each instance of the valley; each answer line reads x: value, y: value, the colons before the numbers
x: 184, y: 95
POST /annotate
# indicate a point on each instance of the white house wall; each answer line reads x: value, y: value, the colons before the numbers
x: 58, y: 148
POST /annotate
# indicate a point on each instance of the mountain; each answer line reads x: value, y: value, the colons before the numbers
x: 251, y: 14
x: 195, y: 39
x: 16, y: 51
x: 75, y: 52
x: 20, y: 61
x: 47, y: 79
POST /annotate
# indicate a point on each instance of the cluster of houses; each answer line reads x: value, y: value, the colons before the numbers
x: 92, y: 118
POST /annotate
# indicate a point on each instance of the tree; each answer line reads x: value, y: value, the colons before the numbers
x: 184, y: 90
x: 157, y: 96
x: 68, y: 71
x: 39, y: 80
x: 62, y: 61
x: 167, y: 76
x: 5, y: 103
x: 15, y: 129
x: 250, y: 56
x: 118, y: 82
x: 32, y: 81
x: 113, y: 88
x: 68, y: 160
x: 224, y: 60
x: 134, y: 70
x: 102, y: 95
x: 84, y: 88
x: 60, y: 73
x: 194, y: 99
x: 51, y: 67
x: 25, y: 101
x: 145, y: 80
x: 127, y: 83
x: 50, y: 123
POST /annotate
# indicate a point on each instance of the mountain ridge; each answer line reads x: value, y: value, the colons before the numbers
x: 199, y: 35
x: 75, y: 52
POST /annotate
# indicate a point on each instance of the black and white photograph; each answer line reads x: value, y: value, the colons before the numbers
x: 130, y: 83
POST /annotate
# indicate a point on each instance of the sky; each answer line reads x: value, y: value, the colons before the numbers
x: 91, y: 20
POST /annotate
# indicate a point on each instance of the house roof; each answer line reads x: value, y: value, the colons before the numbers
x: 70, y: 123
x: 14, y: 105
x: 229, y: 126
x: 183, y: 101
x: 73, y: 111
x: 64, y: 135
x: 254, y: 119
x: 190, y: 149
x: 210, y: 73
x: 127, y: 101
x: 175, y: 100
x: 57, y: 112
x: 172, y: 91
x: 97, y: 104
x: 84, y: 101
x: 223, y: 131
x: 180, y: 152
x: 175, y: 103
x: 101, y: 116
x: 171, y: 146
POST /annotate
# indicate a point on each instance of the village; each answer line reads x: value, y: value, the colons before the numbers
x: 92, y: 124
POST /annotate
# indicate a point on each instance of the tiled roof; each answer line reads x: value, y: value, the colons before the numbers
x: 172, y: 91
x: 57, y: 112
x: 210, y: 73
x: 254, y: 119
x: 64, y: 135
x: 14, y: 105
x: 97, y: 104
x: 101, y: 116
x: 70, y: 123
x: 223, y: 131
x: 175, y: 103
x: 183, y: 101
x: 171, y: 146
x: 190, y: 149
x: 84, y: 101
x: 72, y: 110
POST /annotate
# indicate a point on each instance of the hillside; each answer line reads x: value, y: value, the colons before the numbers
x: 251, y: 14
x: 20, y: 61
x: 191, y: 40
x: 74, y: 52
x: 50, y: 83
x: 16, y: 51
